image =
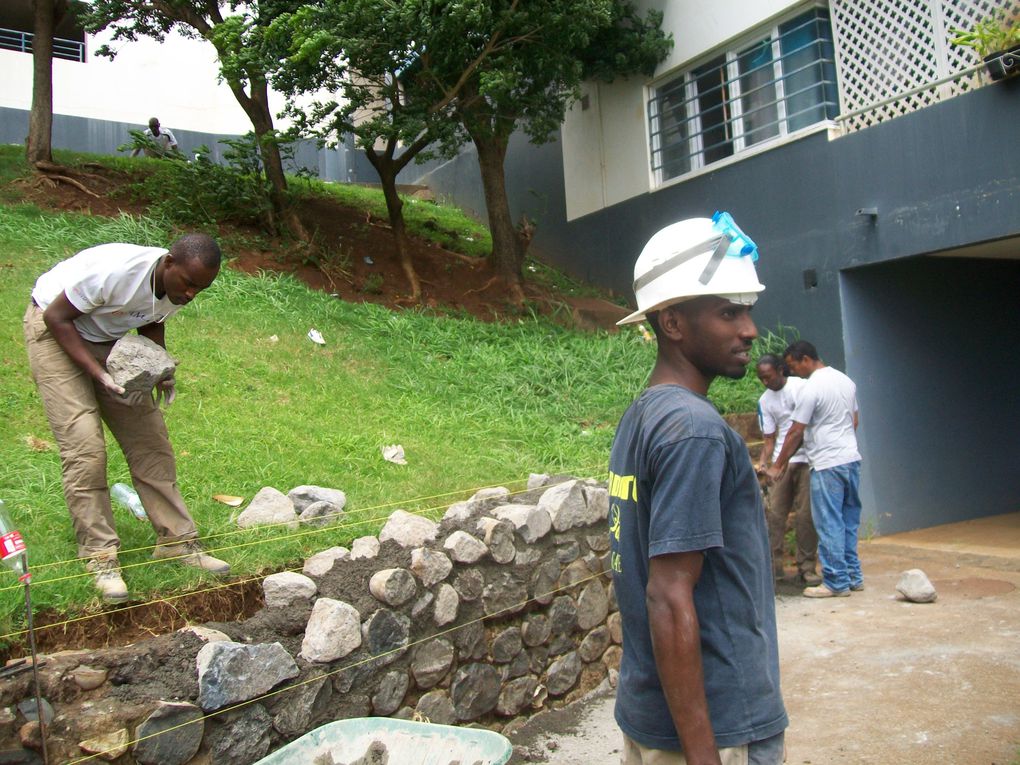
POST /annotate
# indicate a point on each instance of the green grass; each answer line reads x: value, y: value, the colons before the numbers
x: 473, y: 403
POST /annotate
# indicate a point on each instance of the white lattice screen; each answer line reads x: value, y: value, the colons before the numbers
x: 888, y: 47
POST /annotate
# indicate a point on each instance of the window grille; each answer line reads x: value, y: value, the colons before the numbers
x: 72, y: 50
x: 888, y: 51
x: 782, y: 82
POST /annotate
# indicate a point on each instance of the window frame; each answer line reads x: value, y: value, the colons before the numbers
x: 685, y: 81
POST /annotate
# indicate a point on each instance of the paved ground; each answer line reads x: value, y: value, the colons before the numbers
x: 871, y: 679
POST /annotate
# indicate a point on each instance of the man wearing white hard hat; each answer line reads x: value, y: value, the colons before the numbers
x: 692, y: 570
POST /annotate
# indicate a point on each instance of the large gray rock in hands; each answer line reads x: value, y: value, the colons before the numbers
x: 136, y: 363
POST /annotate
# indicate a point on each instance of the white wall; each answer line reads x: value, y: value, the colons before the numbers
x: 615, y: 125
x: 176, y: 80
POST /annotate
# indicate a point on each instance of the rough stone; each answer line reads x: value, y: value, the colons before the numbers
x: 288, y: 588
x: 506, y: 645
x: 530, y: 523
x: 483, y: 500
x: 364, y: 548
x: 436, y: 707
x: 30, y: 735
x: 205, y: 634
x: 528, y: 556
x: 172, y: 734
x: 458, y: 512
x: 598, y: 542
x: 594, y: 644
x: 304, y: 497
x: 431, y: 566
x: 88, y: 678
x: 575, y: 573
x: 447, y: 605
x: 136, y: 363
x: 390, y: 694
x: 242, y: 736
x: 469, y: 584
x: 332, y: 632
x: 393, y: 586
x: 386, y: 631
x: 915, y: 586
x: 320, y: 514
x: 518, y: 666
x: 535, y: 630
x: 537, y: 480
x: 232, y: 672
x: 408, y: 529
x: 322, y: 563
x: 505, y: 594
x: 515, y: 696
x: 470, y: 641
x: 301, y: 707
x: 539, y: 656
x: 566, y: 506
x: 615, y: 624
x: 474, y: 691
x: 499, y: 538
x: 561, y: 644
x: 563, y: 674
x: 27, y: 707
x: 544, y: 581
x: 563, y: 615
x: 431, y: 662
x: 611, y: 658
x: 464, y: 548
x: 109, y: 746
x: 592, y: 606
x: 422, y: 606
x: 568, y: 551
x: 270, y: 507
x: 597, y: 499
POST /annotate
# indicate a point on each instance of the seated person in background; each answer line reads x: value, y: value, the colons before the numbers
x: 162, y: 140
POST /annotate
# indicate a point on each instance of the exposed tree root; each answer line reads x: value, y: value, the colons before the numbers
x: 484, y: 287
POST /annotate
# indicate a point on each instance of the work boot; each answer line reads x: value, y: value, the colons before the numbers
x: 857, y: 587
x: 821, y: 591
x: 190, y: 553
x: 106, y: 570
x: 810, y: 578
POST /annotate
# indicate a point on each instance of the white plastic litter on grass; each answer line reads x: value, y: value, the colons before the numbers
x: 394, y: 453
x: 316, y: 337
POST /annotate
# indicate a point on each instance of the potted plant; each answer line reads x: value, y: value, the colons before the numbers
x: 996, y: 38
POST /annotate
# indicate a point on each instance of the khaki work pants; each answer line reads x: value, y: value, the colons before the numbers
x: 76, y: 407
x: 792, y: 493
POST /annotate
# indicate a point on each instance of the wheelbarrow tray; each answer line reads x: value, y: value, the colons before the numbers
x: 406, y: 742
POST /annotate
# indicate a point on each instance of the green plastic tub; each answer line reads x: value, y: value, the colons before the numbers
x: 406, y: 743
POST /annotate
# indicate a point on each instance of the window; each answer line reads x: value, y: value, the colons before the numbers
x: 778, y: 84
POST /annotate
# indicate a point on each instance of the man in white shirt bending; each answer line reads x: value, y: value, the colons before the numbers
x: 825, y: 421
x: 792, y: 492
x: 79, y: 309
x: 162, y: 140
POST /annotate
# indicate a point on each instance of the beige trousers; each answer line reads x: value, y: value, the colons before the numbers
x: 635, y: 754
x: 76, y: 408
x: 792, y: 493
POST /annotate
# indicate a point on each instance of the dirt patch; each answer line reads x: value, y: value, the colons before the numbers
x: 972, y: 587
x: 353, y: 255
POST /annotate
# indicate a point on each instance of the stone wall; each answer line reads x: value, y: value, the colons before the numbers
x: 503, y: 608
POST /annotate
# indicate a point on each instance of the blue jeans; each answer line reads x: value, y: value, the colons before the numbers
x: 836, y: 511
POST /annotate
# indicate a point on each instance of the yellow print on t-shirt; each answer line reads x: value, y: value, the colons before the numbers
x: 623, y: 488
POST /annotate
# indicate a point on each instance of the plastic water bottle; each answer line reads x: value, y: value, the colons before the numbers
x: 128, y: 497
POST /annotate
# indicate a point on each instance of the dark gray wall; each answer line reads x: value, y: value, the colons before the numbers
x: 931, y: 343
x: 941, y: 177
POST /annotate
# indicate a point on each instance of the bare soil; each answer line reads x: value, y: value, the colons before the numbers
x: 368, y: 271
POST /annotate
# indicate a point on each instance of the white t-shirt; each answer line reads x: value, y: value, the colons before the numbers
x: 165, y: 140
x: 826, y: 405
x: 775, y: 415
x: 112, y: 285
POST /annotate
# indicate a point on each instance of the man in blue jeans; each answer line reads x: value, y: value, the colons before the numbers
x: 825, y: 421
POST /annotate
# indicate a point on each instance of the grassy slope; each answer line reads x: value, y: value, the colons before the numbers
x: 473, y: 404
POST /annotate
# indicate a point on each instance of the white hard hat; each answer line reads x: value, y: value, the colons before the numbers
x: 695, y: 257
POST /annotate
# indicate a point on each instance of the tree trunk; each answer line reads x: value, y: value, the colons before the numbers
x: 386, y: 167
x: 39, y: 147
x: 507, y: 247
x: 257, y: 108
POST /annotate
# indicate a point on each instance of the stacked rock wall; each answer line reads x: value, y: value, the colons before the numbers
x: 503, y: 608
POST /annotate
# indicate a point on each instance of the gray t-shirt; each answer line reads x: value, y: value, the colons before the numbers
x: 826, y: 406
x: 681, y: 480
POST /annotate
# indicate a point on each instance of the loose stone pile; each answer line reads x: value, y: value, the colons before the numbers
x: 503, y: 607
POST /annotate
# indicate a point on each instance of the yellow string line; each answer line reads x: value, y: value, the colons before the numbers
x: 399, y: 649
x: 269, y: 526
x: 167, y: 600
x: 296, y: 535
